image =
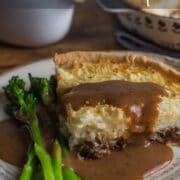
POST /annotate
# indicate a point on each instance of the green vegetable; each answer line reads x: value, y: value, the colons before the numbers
x: 23, y: 107
x: 43, y: 89
x: 45, y: 160
x: 69, y: 174
x: 57, y: 161
x: 29, y: 167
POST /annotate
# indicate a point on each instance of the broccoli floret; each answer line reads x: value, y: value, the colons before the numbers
x: 22, y: 105
x: 14, y: 89
x: 43, y: 89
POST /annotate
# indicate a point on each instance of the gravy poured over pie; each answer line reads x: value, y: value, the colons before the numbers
x: 107, y: 99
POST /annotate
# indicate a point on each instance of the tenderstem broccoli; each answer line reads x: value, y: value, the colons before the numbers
x: 23, y: 105
x: 29, y: 167
x: 45, y: 91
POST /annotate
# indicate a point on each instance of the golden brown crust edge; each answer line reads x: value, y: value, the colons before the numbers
x: 71, y: 58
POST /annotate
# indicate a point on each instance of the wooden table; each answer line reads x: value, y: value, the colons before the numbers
x: 92, y: 29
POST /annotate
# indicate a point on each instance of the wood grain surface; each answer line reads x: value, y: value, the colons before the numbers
x: 92, y: 29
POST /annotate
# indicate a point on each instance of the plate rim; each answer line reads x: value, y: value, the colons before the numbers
x: 150, y: 54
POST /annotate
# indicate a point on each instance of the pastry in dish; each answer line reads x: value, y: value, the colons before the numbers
x: 174, y: 13
x: 154, y: 3
x: 105, y: 99
x: 167, y: 8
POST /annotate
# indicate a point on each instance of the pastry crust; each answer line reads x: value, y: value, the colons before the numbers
x: 73, y: 58
x: 137, y: 63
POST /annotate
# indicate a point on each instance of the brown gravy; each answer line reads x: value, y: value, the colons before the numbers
x: 13, y: 143
x: 138, y: 100
x: 14, y: 139
x: 133, y: 162
x: 130, y: 163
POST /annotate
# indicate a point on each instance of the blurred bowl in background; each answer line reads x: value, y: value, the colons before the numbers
x: 35, y: 27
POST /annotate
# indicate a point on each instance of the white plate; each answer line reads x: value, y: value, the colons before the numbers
x: 45, y: 68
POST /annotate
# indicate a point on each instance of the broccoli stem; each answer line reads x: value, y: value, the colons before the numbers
x: 41, y: 153
x: 29, y: 167
x: 45, y: 161
x: 36, y: 134
x: 69, y: 174
x: 40, y: 150
x: 22, y: 106
x: 57, y: 160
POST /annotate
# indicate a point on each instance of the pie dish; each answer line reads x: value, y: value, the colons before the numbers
x: 98, y: 126
x: 158, y: 25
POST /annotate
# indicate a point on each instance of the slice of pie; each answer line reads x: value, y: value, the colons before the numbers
x: 105, y: 99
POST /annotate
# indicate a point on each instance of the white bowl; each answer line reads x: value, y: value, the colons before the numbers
x: 34, y: 27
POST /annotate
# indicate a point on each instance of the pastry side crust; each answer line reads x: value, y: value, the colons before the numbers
x: 72, y: 58
x: 82, y: 64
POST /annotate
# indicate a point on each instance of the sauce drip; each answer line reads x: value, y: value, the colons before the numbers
x: 133, y: 162
x: 138, y: 100
x: 13, y: 143
x: 14, y: 138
